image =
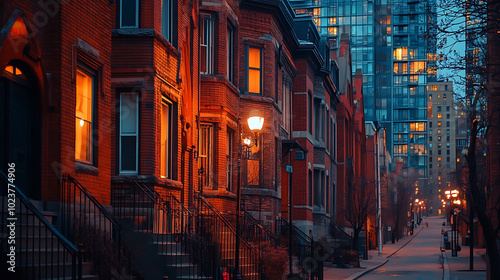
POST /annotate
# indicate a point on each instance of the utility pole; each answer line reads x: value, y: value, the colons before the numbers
x: 379, y: 207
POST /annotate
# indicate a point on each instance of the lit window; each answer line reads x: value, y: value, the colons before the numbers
x: 317, y: 11
x: 129, y: 14
x: 439, y: 124
x: 439, y: 158
x: 439, y: 131
x: 84, y: 102
x: 400, y: 53
x: 254, y: 70
x: 165, y: 141
x: 206, y: 162
x: 439, y: 116
x: 207, y: 43
x: 435, y: 88
x: 129, y: 132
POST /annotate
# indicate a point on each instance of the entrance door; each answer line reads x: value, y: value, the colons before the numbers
x: 19, y: 130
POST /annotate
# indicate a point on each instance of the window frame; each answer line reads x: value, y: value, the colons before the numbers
x: 120, y: 134
x: 94, y: 74
x: 207, y: 20
x: 172, y: 21
x: 230, y: 134
x: 247, y: 69
x: 169, y: 169
x: 231, y: 34
x: 136, y: 15
x: 207, y: 179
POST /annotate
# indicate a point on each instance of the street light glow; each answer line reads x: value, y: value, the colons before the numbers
x: 255, y: 123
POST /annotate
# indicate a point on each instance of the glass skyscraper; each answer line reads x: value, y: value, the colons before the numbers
x: 388, y: 43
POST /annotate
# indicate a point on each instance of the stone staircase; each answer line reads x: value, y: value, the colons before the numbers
x: 161, y: 235
x: 41, y: 252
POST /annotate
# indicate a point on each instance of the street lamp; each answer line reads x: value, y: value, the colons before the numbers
x: 255, y: 124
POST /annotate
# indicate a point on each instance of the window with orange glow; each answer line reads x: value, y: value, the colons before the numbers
x: 165, y: 139
x: 439, y: 116
x: 206, y: 161
x: 400, y: 53
x: 254, y: 70
x: 83, y: 112
x: 417, y: 67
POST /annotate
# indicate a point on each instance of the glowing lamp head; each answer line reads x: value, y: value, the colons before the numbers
x: 82, y: 123
x: 255, y: 123
x: 247, y: 141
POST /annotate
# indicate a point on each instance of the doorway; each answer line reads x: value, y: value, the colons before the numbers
x: 20, y: 129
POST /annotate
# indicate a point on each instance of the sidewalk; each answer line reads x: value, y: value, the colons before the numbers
x: 457, y: 268
x: 374, y: 261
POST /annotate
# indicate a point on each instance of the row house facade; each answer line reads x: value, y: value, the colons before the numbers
x: 315, y: 101
x: 158, y: 93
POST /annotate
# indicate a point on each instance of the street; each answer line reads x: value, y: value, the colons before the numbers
x: 419, y: 259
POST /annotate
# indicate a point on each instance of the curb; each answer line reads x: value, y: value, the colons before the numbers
x: 446, y: 267
x: 413, y: 236
x: 358, y: 275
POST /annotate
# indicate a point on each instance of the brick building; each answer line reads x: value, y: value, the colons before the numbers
x: 345, y: 127
x: 56, y: 99
x: 154, y: 59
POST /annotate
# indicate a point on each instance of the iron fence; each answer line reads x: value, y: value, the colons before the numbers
x: 85, y: 221
x: 31, y: 246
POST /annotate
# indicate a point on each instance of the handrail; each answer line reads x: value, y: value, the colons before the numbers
x: 250, y: 256
x: 92, y: 198
x: 70, y: 247
x: 297, y: 231
x: 173, y: 229
x: 226, y: 222
x: 19, y: 194
x: 271, y: 235
x: 85, y: 220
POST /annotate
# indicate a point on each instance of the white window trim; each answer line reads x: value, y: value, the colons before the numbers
x: 136, y: 134
x: 136, y: 15
x: 210, y: 26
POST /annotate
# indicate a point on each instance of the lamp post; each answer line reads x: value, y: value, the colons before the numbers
x: 255, y: 124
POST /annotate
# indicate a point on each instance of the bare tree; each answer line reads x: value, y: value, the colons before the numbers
x: 401, y: 197
x: 469, y: 22
x: 359, y: 205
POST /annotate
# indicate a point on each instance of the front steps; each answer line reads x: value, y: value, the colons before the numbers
x: 38, y: 252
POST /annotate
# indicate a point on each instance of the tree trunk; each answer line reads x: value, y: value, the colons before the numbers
x: 355, y: 245
x: 479, y: 204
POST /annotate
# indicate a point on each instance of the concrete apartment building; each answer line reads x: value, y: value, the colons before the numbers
x: 442, y: 131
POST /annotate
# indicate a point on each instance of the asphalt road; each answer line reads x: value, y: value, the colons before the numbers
x: 419, y: 259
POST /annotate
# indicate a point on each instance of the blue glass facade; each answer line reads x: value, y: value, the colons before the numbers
x: 388, y: 44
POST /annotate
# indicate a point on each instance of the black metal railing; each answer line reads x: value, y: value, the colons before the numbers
x: 31, y: 245
x: 85, y: 221
x: 174, y: 232
x: 223, y: 234
x: 343, y: 252
x: 308, y: 254
x: 254, y: 232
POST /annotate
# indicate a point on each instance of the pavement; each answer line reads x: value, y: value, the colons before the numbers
x: 454, y: 268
